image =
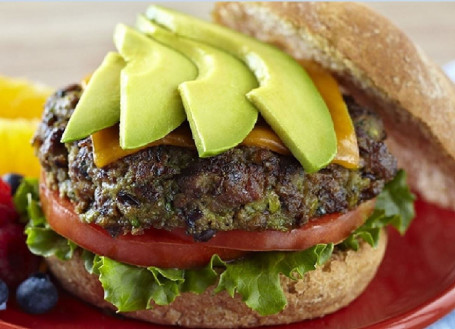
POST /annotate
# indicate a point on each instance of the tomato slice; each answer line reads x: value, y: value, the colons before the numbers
x: 175, y: 249
x: 162, y: 250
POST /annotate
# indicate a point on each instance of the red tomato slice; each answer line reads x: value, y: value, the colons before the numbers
x: 162, y: 250
x: 168, y: 249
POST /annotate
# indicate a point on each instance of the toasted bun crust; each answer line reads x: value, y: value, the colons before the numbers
x: 325, y: 290
x: 380, y: 67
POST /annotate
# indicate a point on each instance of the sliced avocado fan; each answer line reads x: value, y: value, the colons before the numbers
x: 216, y: 107
x: 286, y: 96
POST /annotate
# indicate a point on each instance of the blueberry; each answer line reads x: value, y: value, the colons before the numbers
x: 3, y: 295
x: 13, y: 180
x: 37, y: 294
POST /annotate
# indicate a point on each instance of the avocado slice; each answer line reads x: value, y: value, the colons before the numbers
x: 99, y: 106
x: 219, y: 114
x: 286, y: 96
x: 150, y: 104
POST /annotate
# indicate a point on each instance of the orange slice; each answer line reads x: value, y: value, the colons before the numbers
x: 21, y: 105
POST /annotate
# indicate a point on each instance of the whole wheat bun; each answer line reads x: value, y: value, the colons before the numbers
x: 380, y: 66
x: 325, y: 290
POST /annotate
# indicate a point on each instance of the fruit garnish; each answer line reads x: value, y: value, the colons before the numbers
x: 21, y: 104
x: 13, y: 180
x: 7, y: 212
x: 5, y: 194
x: 16, y: 261
x: 21, y: 95
x: 37, y: 294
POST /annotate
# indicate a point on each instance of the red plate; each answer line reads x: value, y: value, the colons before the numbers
x: 414, y: 287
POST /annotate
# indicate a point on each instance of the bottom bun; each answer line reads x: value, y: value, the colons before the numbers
x: 325, y: 290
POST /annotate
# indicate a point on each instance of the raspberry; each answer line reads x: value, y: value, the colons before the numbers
x: 16, y: 261
x: 7, y: 215
x: 5, y: 194
x: 7, y: 211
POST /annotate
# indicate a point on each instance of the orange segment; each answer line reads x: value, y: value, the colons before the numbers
x: 21, y: 99
x: 16, y: 152
x: 21, y: 105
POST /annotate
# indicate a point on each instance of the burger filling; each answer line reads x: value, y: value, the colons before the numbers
x: 166, y: 187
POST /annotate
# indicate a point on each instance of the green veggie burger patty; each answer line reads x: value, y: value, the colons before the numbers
x: 165, y: 187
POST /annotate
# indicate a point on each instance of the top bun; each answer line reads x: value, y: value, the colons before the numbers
x: 380, y: 66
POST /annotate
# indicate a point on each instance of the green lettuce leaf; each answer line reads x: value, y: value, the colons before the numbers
x: 394, y: 206
x: 45, y: 242
x: 198, y: 280
x: 256, y: 278
x: 90, y: 262
x: 28, y: 190
x: 129, y: 287
x: 132, y: 288
x: 41, y: 240
x: 397, y: 203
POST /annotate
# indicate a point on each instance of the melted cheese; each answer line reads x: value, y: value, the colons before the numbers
x: 106, y: 148
x: 347, y: 148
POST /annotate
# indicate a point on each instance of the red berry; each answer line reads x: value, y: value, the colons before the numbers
x: 5, y: 193
x: 7, y: 211
x: 7, y: 214
x: 16, y: 261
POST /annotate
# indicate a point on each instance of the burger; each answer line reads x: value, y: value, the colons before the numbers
x: 284, y: 225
